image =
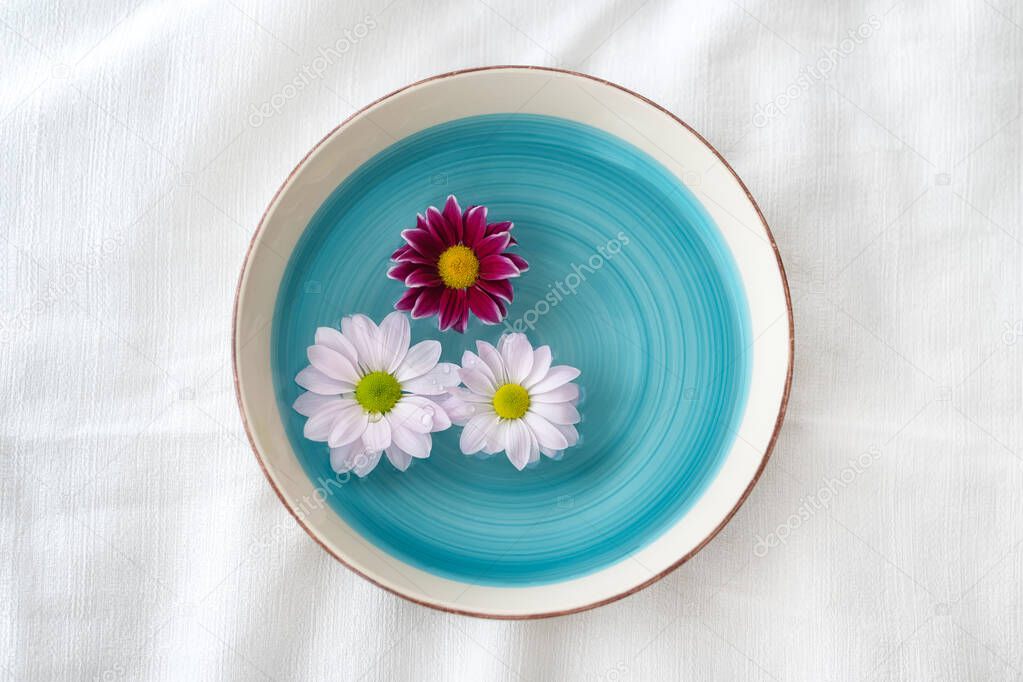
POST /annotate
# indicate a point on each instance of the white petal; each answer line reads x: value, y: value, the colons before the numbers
x: 441, y: 419
x: 472, y: 361
x: 570, y: 432
x: 489, y: 355
x: 365, y: 462
x: 319, y: 426
x: 566, y: 393
x: 335, y: 340
x: 420, y: 359
x: 435, y: 382
x: 534, y: 447
x: 353, y: 457
x: 412, y: 415
x: 348, y: 427
x: 546, y: 433
x: 394, y: 339
x: 477, y: 382
x: 549, y: 452
x: 474, y: 435
x: 429, y: 407
x: 517, y: 443
x: 377, y: 435
x: 316, y: 381
x: 362, y: 332
x: 399, y: 458
x: 541, y: 363
x: 458, y: 410
x: 517, y: 353
x: 469, y: 397
x: 310, y: 403
x: 415, y: 444
x: 497, y: 437
x: 343, y: 458
x: 557, y: 376
x: 556, y: 413
x: 333, y: 364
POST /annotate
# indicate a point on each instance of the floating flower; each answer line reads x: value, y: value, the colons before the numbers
x: 367, y: 393
x: 455, y: 262
x: 515, y: 401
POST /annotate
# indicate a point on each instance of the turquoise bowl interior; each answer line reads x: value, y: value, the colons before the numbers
x: 630, y: 281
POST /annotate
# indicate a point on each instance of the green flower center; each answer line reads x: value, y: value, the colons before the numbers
x: 378, y: 392
x: 459, y: 267
x: 511, y: 401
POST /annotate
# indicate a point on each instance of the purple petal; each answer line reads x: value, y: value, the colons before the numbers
x: 402, y: 270
x: 495, y: 243
x: 497, y: 267
x: 424, y: 242
x: 494, y: 228
x: 406, y: 254
x: 428, y: 302
x: 447, y: 309
x: 499, y: 288
x: 408, y: 300
x: 463, y: 322
x: 453, y: 214
x: 437, y: 230
x: 441, y: 227
x: 483, y: 306
x: 423, y: 277
x: 454, y: 310
x: 475, y: 225
x: 519, y: 261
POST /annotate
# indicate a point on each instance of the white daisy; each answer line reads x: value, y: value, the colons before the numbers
x: 366, y: 393
x: 515, y: 401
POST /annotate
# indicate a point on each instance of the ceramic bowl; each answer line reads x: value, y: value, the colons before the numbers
x: 652, y: 270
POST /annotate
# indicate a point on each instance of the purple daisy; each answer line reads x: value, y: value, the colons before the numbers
x: 454, y: 262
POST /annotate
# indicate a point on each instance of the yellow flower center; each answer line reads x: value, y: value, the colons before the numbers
x: 458, y: 267
x: 378, y: 392
x: 511, y: 401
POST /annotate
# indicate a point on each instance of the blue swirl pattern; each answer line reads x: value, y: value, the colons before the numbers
x: 630, y: 281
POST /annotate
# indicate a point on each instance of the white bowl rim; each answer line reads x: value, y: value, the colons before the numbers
x: 440, y: 604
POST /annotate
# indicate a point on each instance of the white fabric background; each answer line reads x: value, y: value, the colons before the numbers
x: 141, y: 541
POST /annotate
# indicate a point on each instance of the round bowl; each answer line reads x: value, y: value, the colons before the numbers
x: 682, y: 327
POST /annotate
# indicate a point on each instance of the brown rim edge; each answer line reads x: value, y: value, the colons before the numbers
x: 549, y: 614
